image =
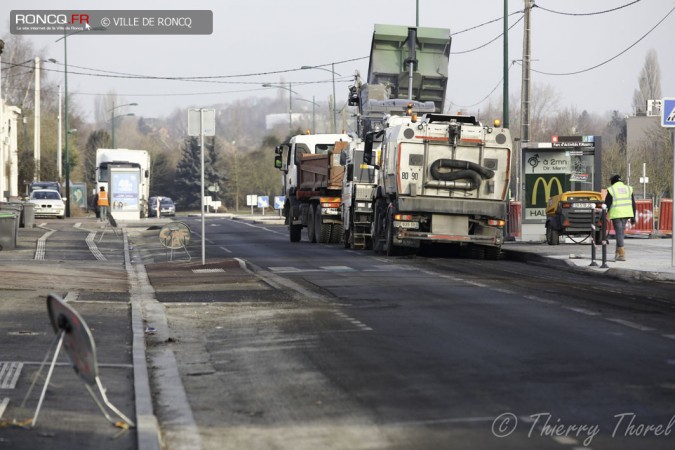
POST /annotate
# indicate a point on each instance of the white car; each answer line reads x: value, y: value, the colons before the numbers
x: 48, y: 202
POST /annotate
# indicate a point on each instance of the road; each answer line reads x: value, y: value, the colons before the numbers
x: 330, y: 348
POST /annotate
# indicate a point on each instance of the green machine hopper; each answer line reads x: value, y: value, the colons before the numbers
x: 394, y: 48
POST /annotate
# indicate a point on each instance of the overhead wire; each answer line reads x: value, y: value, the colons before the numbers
x: 613, y: 57
x: 587, y: 14
x: 487, y: 96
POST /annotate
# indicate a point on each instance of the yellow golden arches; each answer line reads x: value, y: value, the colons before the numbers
x: 547, y: 188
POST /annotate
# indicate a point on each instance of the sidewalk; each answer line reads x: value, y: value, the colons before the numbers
x: 646, y: 259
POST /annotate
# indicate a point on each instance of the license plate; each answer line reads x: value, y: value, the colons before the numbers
x: 584, y: 205
x: 413, y: 225
x: 329, y: 211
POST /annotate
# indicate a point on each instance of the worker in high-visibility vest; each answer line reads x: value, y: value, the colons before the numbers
x: 621, y: 206
x: 103, y: 204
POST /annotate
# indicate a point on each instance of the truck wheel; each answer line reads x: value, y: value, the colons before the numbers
x: 337, y: 233
x: 492, y: 253
x: 321, y: 231
x: 294, y: 231
x: 378, y: 237
x: 311, y: 228
x: 552, y: 236
x: 389, y: 247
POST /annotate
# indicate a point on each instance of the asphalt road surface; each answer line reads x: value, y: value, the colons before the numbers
x: 331, y: 348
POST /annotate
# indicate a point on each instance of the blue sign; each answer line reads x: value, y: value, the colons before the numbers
x: 279, y: 201
x: 263, y: 201
x: 668, y: 112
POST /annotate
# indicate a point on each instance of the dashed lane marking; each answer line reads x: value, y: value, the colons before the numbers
x: 42, y: 243
x: 93, y: 248
x: 584, y: 311
x: 629, y: 324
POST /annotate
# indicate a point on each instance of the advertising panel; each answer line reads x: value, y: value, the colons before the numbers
x: 567, y: 163
x: 124, y: 189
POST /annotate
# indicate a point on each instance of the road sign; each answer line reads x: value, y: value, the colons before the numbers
x: 279, y: 201
x: 78, y: 341
x: 195, y: 122
x: 251, y: 200
x: 644, y: 180
x: 668, y: 113
x: 263, y: 201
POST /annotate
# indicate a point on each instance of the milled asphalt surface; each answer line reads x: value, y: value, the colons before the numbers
x: 117, y: 300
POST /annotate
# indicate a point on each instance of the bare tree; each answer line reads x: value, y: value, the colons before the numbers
x: 649, y: 83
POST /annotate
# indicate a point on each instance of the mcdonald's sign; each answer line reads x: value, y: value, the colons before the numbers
x: 547, y: 182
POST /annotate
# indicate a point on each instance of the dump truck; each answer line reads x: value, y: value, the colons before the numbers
x: 572, y: 214
x: 312, y: 185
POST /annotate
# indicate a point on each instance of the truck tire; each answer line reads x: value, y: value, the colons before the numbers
x: 389, y: 247
x: 378, y: 235
x: 294, y: 231
x: 337, y: 233
x: 311, y: 227
x: 322, y: 230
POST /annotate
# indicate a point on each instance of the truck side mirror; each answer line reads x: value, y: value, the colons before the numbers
x: 350, y: 172
x: 368, y: 146
x: 343, y: 158
x: 368, y: 149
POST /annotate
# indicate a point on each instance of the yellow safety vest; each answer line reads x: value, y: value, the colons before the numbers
x: 103, y: 199
x: 622, y: 201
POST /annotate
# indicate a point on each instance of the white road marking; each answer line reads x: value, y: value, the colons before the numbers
x: 93, y: 248
x: 586, y: 312
x: 226, y: 249
x: 669, y: 336
x: 3, y: 406
x: 629, y: 324
x: 565, y: 440
x: 541, y: 300
x: 9, y: 374
x: 42, y: 243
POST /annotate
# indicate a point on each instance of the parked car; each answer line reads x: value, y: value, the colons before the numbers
x: 48, y: 202
x: 166, y: 207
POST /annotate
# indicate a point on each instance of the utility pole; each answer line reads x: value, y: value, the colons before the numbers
x: 505, y: 105
x: 59, y: 136
x: 525, y: 101
x: 36, y: 122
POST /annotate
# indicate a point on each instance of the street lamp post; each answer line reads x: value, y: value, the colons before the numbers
x: 290, y: 101
x: 112, y: 118
x: 332, y: 71
x: 65, y: 82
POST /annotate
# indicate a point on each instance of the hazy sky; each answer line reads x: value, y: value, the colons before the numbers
x: 256, y: 36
